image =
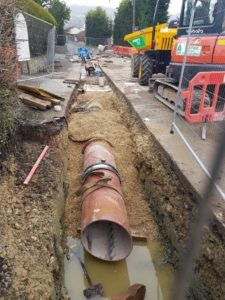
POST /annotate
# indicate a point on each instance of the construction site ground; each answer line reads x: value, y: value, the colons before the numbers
x: 160, y: 192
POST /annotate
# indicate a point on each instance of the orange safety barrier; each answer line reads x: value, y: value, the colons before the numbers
x: 205, y: 98
x: 124, y: 51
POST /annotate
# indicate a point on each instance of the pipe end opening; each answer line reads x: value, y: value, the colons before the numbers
x: 107, y: 240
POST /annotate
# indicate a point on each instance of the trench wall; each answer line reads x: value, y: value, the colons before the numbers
x: 175, y: 203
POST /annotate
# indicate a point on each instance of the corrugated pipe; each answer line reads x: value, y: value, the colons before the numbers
x: 105, y: 231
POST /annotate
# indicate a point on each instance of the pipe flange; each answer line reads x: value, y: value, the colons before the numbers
x: 99, y: 166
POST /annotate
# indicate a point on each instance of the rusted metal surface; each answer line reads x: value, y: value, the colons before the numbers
x: 105, y: 230
x: 97, y: 150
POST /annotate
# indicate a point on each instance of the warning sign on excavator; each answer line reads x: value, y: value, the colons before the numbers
x: 138, y: 42
x: 180, y: 50
x: 192, y: 50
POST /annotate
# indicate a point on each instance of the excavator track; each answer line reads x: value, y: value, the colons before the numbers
x: 165, y: 91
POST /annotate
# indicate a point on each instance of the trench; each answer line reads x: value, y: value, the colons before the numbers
x: 161, y: 205
x: 147, y: 263
x: 43, y: 219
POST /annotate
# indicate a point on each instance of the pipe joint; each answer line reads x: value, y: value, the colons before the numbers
x: 103, y: 165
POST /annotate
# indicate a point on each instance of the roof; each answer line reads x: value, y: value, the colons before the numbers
x: 74, y: 30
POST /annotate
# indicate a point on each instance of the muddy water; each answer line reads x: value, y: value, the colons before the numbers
x: 145, y: 265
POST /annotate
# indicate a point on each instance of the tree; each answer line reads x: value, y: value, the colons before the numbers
x: 43, y: 3
x: 98, y: 25
x: 59, y: 10
x: 144, y: 17
x: 122, y: 22
x: 146, y: 9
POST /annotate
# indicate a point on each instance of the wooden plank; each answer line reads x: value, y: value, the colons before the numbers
x: 34, y: 102
x: 53, y: 101
x: 52, y: 95
x: 73, y: 78
x: 71, y: 81
x: 139, y: 238
x: 39, y: 92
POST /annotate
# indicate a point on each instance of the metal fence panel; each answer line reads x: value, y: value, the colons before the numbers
x: 41, y: 39
x: 201, y: 125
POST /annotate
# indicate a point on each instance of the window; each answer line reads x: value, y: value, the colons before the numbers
x: 205, y: 12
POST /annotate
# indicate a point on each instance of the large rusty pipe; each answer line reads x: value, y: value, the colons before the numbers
x: 105, y: 231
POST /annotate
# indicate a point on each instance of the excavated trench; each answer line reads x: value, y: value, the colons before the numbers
x: 107, y: 123
x: 40, y: 224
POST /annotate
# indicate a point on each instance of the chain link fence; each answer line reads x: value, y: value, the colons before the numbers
x: 201, y: 91
x: 200, y: 111
x: 94, y: 42
x: 41, y: 41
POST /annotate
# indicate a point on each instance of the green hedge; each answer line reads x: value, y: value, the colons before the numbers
x: 36, y: 10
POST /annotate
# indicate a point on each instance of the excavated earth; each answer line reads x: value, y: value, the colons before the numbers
x: 30, y: 216
x: 35, y: 219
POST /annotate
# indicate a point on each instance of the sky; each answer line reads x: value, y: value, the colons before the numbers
x: 174, y: 6
x: 109, y: 3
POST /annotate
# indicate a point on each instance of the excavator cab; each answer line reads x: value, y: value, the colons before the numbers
x: 203, y: 14
x: 207, y: 43
x: 208, y: 17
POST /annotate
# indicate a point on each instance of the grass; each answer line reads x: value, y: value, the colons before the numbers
x: 32, y: 8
